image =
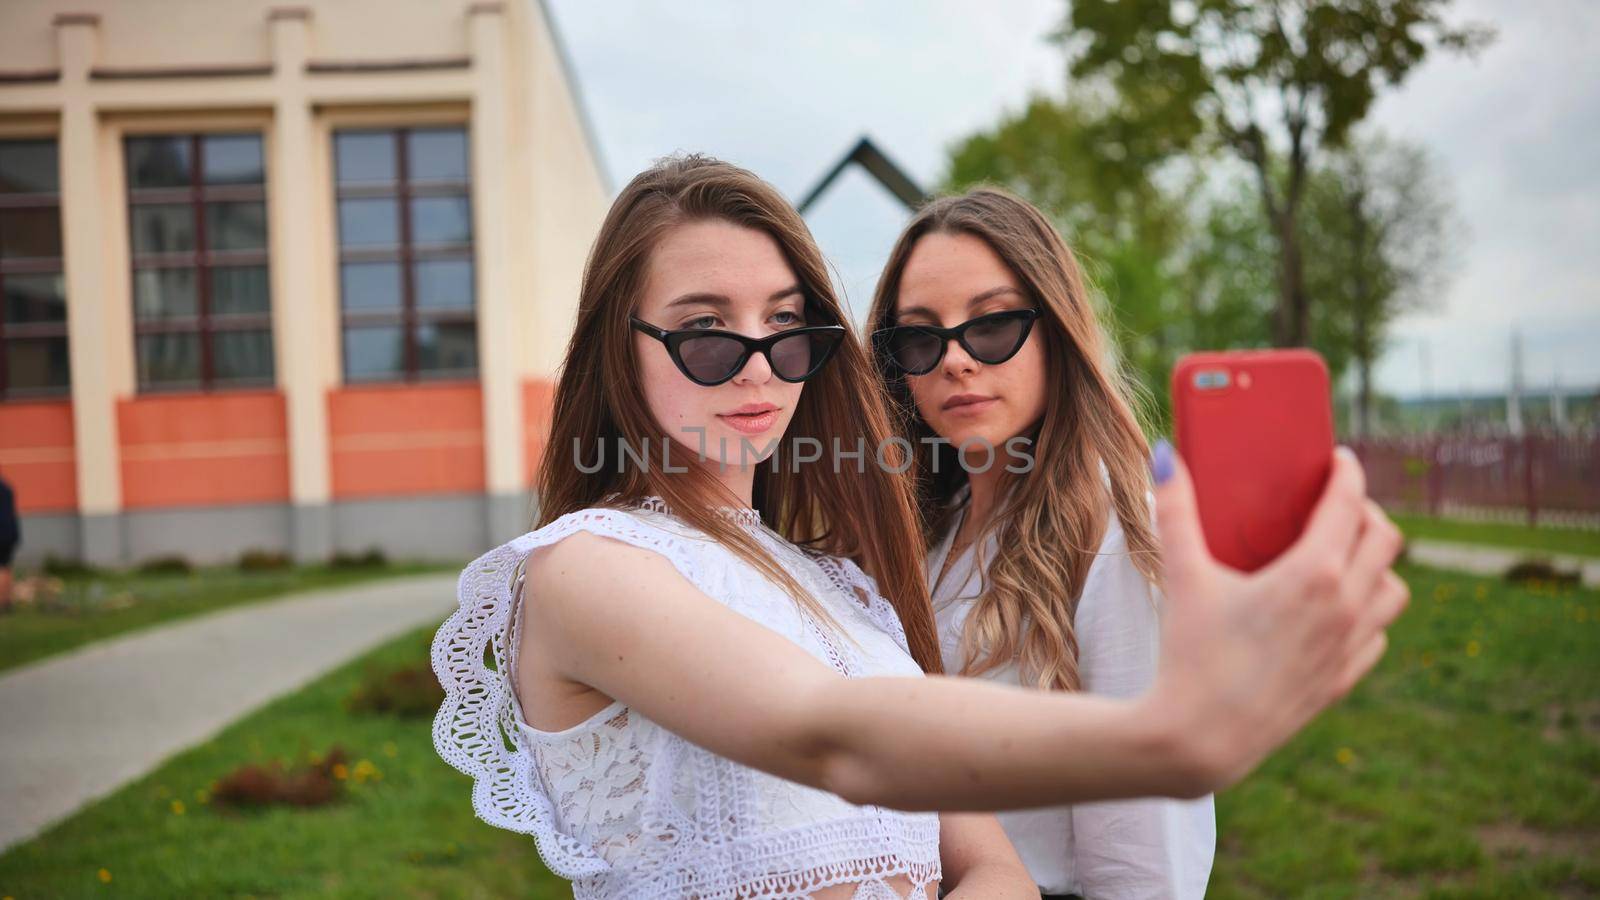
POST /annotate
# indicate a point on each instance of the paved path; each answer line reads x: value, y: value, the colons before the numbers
x: 1481, y: 560
x: 75, y: 727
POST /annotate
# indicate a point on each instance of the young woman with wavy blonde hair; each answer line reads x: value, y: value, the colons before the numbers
x: 703, y: 673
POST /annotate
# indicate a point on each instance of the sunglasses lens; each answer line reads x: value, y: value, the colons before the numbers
x: 710, y: 358
x: 914, y: 351
x: 995, y: 339
x: 792, y: 356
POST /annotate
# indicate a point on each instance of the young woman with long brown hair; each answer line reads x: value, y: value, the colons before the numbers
x: 702, y: 675
x: 1048, y: 577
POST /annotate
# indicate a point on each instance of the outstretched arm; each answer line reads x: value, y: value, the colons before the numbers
x: 1246, y: 661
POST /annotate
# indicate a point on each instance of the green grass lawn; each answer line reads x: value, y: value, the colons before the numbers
x: 101, y: 605
x: 1545, y: 538
x: 1468, y: 765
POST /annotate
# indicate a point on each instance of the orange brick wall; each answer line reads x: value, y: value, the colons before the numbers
x: 37, y: 457
x: 203, y: 449
x: 538, y: 398
x: 398, y: 440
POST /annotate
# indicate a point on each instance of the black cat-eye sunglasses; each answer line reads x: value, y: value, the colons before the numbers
x: 709, y: 356
x: 990, y: 339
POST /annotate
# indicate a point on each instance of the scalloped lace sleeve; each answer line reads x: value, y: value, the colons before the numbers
x: 849, y: 577
x: 476, y: 727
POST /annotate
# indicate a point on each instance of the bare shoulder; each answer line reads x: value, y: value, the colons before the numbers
x: 582, y: 561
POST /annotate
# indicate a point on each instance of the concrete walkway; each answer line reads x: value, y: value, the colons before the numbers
x: 76, y: 727
x: 1478, y: 559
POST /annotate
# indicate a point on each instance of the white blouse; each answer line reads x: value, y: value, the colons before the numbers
x: 1135, y: 849
x: 627, y: 809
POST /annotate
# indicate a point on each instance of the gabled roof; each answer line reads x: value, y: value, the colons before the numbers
x: 867, y: 155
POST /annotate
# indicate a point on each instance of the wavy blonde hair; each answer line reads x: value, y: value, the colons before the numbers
x: 865, y: 513
x: 1052, y: 519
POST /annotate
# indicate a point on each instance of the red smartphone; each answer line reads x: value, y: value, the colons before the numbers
x: 1255, y: 428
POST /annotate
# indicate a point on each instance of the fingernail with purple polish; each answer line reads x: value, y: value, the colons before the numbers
x: 1161, y: 463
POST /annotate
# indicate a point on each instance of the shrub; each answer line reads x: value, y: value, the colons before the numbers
x: 408, y: 691
x: 166, y: 565
x: 1537, y: 570
x: 59, y: 567
x: 372, y: 558
x: 263, y: 561
x: 253, y: 786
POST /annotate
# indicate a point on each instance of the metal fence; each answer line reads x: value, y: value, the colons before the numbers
x: 1535, y: 477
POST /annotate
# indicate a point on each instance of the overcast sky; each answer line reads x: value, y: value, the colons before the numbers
x: 786, y: 89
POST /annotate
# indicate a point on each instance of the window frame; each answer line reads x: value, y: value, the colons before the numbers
x: 203, y: 261
x: 405, y: 254
x: 34, y: 265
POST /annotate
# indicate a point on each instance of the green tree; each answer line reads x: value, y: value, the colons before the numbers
x: 1272, y: 81
x: 1382, y: 230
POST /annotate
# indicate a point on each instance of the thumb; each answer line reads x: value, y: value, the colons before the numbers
x: 1184, y: 555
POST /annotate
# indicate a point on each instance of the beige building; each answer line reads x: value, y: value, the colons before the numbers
x: 289, y: 278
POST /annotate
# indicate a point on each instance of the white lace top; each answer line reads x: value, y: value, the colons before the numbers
x: 625, y: 808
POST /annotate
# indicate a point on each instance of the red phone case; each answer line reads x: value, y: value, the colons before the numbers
x: 1255, y: 428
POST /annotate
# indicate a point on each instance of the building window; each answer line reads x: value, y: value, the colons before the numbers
x: 33, y: 295
x: 405, y: 254
x: 202, y: 310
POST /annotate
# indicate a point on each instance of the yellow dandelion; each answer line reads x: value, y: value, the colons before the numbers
x: 341, y: 771
x: 105, y: 876
x: 177, y: 807
x: 390, y: 750
x: 1345, y: 756
x: 1481, y: 592
x: 1473, y: 648
x: 1427, y: 660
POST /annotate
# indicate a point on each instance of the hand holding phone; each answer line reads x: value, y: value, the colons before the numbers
x: 1247, y: 659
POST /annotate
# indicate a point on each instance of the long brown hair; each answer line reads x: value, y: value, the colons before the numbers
x: 862, y: 512
x: 1052, y: 519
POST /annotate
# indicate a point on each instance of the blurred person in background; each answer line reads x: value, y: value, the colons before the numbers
x: 10, y: 537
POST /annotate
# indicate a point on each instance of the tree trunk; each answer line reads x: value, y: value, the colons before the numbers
x: 1362, y: 308
x: 1364, y: 375
x: 1291, y: 318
